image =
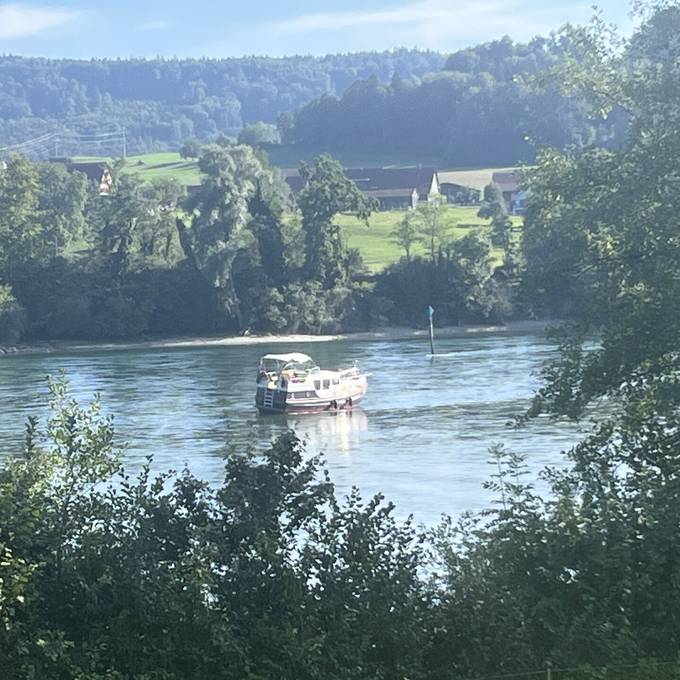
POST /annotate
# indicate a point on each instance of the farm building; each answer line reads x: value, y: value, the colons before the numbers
x: 458, y: 193
x: 515, y: 197
x: 393, y: 188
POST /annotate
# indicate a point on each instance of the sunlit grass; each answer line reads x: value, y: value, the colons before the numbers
x: 167, y: 165
x: 375, y: 243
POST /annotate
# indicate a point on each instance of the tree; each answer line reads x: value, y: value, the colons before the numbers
x: 120, y: 216
x: 326, y: 191
x: 190, y: 149
x: 406, y: 234
x: 493, y: 207
x: 432, y: 225
x: 493, y: 203
x: 266, y: 210
x: 285, y: 124
x: 600, y: 228
x: 266, y: 574
x: 12, y: 316
x: 157, y: 231
x: 471, y: 271
x: 258, y: 134
x: 216, y: 229
x: 20, y: 228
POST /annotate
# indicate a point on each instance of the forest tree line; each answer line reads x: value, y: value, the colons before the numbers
x: 163, y: 102
x: 490, y: 105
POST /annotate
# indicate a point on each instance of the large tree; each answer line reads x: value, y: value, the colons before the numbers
x: 62, y: 197
x: 602, y: 226
x: 406, y: 234
x: 493, y: 207
x: 20, y: 227
x: 157, y: 234
x: 216, y: 228
x: 433, y: 226
x: 119, y: 217
x: 327, y: 192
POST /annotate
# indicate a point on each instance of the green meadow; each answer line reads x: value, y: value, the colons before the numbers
x: 166, y: 165
x: 375, y: 243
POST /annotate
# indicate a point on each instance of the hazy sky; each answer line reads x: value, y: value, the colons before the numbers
x: 86, y: 28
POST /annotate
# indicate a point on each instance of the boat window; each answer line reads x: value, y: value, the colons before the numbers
x: 336, y: 381
x: 317, y: 384
x: 326, y: 384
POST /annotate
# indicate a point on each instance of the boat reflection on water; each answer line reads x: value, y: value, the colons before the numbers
x: 323, y: 431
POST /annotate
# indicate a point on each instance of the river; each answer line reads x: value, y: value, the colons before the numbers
x: 421, y: 436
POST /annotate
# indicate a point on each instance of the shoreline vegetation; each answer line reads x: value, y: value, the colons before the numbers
x: 176, y: 342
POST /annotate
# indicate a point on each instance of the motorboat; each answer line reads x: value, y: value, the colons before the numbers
x: 293, y: 383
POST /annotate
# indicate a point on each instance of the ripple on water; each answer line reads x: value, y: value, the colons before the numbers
x: 421, y: 437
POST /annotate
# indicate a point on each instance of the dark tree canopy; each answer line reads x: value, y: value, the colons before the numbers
x: 482, y: 109
x: 601, y: 235
x: 325, y: 193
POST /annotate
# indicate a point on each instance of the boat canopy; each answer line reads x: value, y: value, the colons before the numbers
x: 292, y: 357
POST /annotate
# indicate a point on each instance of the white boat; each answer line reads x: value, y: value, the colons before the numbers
x: 293, y: 383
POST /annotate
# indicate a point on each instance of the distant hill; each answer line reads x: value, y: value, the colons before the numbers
x: 483, y: 108
x: 478, y: 107
x: 162, y: 102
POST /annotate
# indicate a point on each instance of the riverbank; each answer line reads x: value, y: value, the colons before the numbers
x: 388, y: 333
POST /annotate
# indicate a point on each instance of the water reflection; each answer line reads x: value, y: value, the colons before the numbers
x: 338, y: 431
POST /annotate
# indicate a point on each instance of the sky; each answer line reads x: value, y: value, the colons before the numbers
x: 214, y: 28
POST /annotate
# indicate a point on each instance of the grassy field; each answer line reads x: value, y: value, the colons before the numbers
x: 166, y: 165
x: 375, y: 242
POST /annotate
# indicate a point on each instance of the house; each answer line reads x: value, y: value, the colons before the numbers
x: 393, y: 188
x: 98, y: 172
x: 460, y: 194
x: 515, y: 197
x: 396, y: 188
x: 464, y: 187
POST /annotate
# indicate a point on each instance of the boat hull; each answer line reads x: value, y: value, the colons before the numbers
x: 318, y: 405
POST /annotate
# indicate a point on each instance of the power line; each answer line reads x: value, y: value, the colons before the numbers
x: 42, y: 138
x: 50, y: 142
x: 96, y: 135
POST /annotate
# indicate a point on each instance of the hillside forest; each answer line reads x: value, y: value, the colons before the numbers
x: 163, y: 102
x: 489, y: 105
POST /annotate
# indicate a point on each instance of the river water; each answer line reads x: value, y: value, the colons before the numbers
x: 421, y: 436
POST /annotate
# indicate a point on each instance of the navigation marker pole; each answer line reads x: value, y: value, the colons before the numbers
x: 430, y: 314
